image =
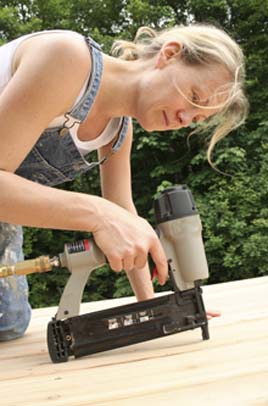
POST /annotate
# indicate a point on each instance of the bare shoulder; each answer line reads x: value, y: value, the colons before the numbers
x: 49, y: 74
x: 51, y: 44
x: 64, y: 57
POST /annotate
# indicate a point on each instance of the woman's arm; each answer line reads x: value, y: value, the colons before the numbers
x: 44, y: 85
x: 116, y: 187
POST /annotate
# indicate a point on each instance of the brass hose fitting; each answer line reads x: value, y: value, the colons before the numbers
x: 40, y: 264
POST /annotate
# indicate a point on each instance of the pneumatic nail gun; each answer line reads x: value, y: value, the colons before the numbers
x: 179, y: 229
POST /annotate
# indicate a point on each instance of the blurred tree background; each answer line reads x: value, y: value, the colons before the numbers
x: 233, y: 208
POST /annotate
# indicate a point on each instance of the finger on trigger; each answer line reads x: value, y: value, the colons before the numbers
x: 159, y: 257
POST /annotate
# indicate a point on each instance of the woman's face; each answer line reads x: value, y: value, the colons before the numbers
x: 161, y: 106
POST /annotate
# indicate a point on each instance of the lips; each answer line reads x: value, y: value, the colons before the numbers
x: 166, y: 119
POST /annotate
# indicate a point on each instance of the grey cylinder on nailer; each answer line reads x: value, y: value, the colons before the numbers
x: 180, y: 229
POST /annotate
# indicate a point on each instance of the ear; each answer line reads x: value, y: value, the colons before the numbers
x: 168, y: 53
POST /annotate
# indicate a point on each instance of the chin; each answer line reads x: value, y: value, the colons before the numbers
x: 145, y: 126
x: 149, y: 127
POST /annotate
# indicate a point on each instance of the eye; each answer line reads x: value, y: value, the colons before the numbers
x: 195, y: 97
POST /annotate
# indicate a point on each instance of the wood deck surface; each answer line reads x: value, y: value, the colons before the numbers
x: 230, y: 369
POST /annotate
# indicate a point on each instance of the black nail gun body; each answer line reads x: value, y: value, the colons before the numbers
x: 179, y: 226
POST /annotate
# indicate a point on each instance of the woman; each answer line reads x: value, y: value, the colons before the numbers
x: 61, y: 98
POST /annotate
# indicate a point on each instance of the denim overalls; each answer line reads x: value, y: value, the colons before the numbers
x: 53, y: 160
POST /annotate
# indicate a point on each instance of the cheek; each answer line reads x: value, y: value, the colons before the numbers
x: 159, y: 91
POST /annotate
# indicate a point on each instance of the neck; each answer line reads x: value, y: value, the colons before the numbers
x: 119, y: 88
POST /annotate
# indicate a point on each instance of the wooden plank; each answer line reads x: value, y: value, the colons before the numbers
x: 229, y: 369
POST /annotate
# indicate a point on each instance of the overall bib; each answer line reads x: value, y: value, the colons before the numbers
x: 54, y: 159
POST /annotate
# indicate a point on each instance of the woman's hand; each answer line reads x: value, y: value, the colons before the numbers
x: 126, y: 240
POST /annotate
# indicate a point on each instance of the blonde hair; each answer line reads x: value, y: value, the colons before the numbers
x: 202, y: 44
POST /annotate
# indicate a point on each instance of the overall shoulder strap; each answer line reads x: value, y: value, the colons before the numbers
x: 81, y: 110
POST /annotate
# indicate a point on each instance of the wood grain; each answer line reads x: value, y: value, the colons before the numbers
x: 230, y: 369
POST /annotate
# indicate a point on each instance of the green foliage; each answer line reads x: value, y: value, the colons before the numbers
x: 232, y: 202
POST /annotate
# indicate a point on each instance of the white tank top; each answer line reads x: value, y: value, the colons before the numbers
x: 7, y: 52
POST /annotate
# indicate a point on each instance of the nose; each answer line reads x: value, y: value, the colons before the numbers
x: 189, y: 116
x: 186, y: 117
